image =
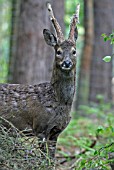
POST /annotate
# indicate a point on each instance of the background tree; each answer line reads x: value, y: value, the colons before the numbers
x: 13, y: 36
x: 95, y: 75
x: 5, y: 18
x: 32, y: 59
x: 101, y: 72
x: 85, y: 63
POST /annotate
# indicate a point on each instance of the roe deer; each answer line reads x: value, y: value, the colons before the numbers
x: 45, y: 107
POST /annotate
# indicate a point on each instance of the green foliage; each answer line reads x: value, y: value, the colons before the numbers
x: 99, y: 159
x: 109, y: 38
x: 107, y: 58
x: 90, y: 137
x: 5, y: 17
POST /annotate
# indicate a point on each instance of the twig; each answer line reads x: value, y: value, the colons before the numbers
x: 82, y: 152
x: 105, y: 147
x: 12, y: 126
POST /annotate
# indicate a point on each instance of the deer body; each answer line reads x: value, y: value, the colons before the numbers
x: 28, y: 106
x: 45, y: 107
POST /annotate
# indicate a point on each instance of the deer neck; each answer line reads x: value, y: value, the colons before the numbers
x: 64, y: 85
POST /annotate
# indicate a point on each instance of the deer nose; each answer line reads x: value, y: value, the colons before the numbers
x: 67, y: 64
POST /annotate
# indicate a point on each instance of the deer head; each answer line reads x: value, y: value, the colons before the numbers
x: 65, y: 50
x: 64, y: 69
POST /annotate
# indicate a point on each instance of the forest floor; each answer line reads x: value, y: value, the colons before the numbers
x: 88, y: 141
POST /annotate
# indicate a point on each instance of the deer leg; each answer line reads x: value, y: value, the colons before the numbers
x: 52, y: 141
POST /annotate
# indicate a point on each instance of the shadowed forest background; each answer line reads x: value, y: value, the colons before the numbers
x: 25, y: 58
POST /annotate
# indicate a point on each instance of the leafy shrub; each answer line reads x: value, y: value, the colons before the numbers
x: 89, y: 139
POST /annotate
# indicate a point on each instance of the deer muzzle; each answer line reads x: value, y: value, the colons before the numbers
x: 66, y: 65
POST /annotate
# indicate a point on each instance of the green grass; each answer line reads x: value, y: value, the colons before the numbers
x: 89, y: 125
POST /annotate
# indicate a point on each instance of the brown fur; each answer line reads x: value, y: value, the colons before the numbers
x: 45, y: 107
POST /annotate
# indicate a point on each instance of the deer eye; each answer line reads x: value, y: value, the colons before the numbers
x: 59, y: 52
x: 74, y: 52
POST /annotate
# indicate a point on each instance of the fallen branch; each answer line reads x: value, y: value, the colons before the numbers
x: 94, y: 141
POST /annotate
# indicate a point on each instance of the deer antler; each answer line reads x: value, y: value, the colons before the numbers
x: 55, y: 23
x: 74, y: 21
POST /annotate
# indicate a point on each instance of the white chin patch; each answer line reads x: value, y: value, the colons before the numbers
x: 66, y: 68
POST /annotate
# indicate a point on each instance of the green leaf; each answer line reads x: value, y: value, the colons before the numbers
x: 96, y: 152
x: 107, y: 59
x: 112, y: 35
x: 105, y: 39
x: 112, y: 129
x: 83, y: 163
x: 100, y: 129
x: 103, y: 35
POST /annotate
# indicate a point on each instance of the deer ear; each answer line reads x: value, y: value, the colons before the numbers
x: 75, y: 34
x: 49, y: 38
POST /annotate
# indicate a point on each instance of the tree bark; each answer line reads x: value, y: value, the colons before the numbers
x: 84, y: 75
x: 32, y: 58
x: 101, y: 72
x: 13, y: 37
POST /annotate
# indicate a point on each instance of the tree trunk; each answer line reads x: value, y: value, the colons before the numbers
x: 32, y: 57
x: 58, y: 8
x: 101, y: 72
x: 84, y: 76
x: 13, y: 37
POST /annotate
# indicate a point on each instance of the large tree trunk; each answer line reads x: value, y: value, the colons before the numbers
x: 84, y: 76
x: 58, y: 8
x: 32, y: 59
x: 101, y: 72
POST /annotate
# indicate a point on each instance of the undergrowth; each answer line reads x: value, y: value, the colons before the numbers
x: 88, y: 141
x: 19, y: 152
